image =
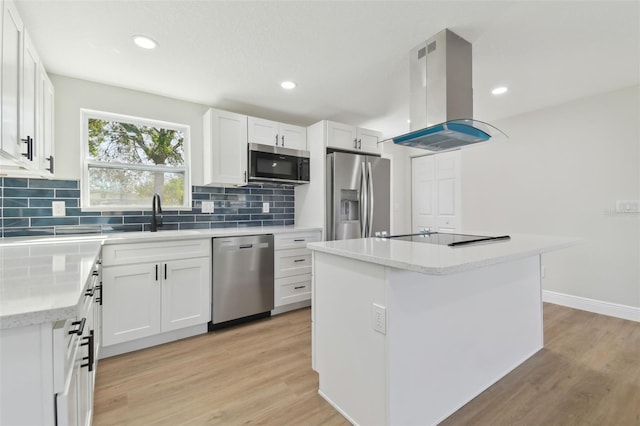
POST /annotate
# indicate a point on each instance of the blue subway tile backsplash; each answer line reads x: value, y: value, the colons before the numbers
x: 25, y: 209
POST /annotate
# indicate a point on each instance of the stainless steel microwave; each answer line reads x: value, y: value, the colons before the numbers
x: 278, y: 165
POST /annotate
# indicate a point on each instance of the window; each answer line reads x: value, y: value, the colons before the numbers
x: 128, y: 159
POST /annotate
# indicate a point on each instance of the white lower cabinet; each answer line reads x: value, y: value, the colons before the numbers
x: 48, y: 370
x: 149, y: 298
x: 292, y: 267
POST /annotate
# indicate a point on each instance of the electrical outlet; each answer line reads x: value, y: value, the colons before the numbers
x: 58, y: 209
x: 265, y: 207
x: 207, y: 207
x: 379, y: 318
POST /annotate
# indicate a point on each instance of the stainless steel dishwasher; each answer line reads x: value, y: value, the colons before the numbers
x: 242, y: 284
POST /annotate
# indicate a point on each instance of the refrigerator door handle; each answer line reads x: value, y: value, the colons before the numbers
x: 363, y: 201
x: 370, y: 200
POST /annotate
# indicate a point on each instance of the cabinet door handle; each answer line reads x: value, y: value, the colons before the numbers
x: 29, y: 142
x: 299, y: 240
x: 165, y: 271
x: 245, y: 176
x: 282, y: 137
x: 299, y: 260
x: 299, y: 287
x: 276, y: 140
x: 89, y: 292
x: 99, y: 299
x: 156, y: 272
x: 355, y: 143
x: 359, y: 143
x: 80, y: 328
x: 50, y: 160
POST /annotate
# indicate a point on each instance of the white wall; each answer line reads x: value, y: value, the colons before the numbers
x: 72, y: 94
x: 560, y: 173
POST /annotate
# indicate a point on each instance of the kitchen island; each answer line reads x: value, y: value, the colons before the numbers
x: 407, y: 333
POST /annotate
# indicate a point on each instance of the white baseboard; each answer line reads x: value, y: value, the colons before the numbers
x: 631, y: 313
x: 147, y: 342
x: 291, y: 307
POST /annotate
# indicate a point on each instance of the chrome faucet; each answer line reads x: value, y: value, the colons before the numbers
x: 157, y: 209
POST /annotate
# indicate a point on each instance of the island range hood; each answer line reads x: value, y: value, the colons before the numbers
x: 441, y: 96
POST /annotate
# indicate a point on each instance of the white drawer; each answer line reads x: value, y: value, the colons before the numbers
x: 66, y: 344
x: 124, y: 254
x: 292, y: 289
x: 295, y: 239
x: 292, y: 262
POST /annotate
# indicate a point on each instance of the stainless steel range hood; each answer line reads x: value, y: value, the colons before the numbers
x: 441, y: 96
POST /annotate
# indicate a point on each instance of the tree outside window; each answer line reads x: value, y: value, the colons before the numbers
x: 128, y: 159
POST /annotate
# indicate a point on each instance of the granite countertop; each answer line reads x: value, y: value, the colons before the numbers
x: 441, y: 260
x: 42, y: 278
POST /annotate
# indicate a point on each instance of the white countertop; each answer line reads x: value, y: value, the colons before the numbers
x: 441, y: 260
x: 43, y: 282
x: 142, y: 237
x: 42, y: 278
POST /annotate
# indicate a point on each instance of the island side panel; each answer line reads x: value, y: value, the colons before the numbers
x: 350, y: 357
x: 453, y: 336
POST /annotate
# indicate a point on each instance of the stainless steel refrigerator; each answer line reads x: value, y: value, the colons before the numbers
x: 357, y: 196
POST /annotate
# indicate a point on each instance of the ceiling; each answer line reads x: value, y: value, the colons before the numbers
x: 349, y: 58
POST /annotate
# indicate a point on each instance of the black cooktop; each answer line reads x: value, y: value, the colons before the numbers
x: 446, y: 239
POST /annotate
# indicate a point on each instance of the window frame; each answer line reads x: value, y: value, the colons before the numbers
x: 86, y: 162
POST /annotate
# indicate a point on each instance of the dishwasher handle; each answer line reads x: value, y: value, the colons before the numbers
x: 244, y: 246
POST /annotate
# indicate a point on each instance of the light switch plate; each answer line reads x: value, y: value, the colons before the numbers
x: 58, y: 209
x: 207, y: 207
x: 265, y: 207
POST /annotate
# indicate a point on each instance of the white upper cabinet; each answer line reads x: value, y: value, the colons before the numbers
x: 27, y: 100
x: 267, y: 132
x: 351, y: 138
x: 46, y: 143
x: 225, y: 148
x: 12, y: 36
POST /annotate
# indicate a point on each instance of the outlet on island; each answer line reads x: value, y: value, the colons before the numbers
x: 265, y: 207
x: 379, y: 318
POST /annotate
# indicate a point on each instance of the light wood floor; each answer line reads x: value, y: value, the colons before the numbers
x: 260, y: 373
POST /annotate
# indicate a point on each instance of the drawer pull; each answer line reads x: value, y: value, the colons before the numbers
x: 300, y: 260
x: 299, y: 240
x: 90, y: 358
x: 80, y: 328
x: 299, y: 287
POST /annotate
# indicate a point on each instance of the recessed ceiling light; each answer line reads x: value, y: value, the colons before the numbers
x: 145, y: 42
x: 288, y: 85
x: 499, y: 90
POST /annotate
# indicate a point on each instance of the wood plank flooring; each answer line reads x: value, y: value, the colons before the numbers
x: 260, y: 373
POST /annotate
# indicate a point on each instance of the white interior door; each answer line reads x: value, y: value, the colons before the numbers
x: 423, y: 193
x: 448, y: 191
x: 435, y: 192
